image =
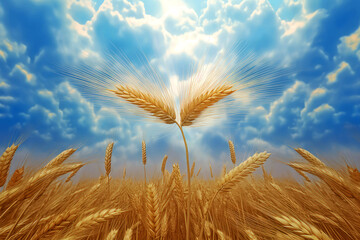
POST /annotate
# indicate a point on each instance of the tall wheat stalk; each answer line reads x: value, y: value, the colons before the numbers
x: 191, y: 110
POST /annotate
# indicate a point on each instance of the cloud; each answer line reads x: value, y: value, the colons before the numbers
x: 20, y: 69
x: 350, y: 44
x: 7, y: 98
x: 4, y: 85
x: 333, y: 76
x: 81, y: 11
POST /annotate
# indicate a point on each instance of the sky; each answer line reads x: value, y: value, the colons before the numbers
x: 318, y: 107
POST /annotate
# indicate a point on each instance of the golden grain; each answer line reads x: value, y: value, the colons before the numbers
x: 5, y: 161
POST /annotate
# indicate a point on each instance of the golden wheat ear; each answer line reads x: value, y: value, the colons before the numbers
x: 157, y: 107
x: 193, y: 108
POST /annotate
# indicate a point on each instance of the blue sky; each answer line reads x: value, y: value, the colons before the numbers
x: 317, y: 109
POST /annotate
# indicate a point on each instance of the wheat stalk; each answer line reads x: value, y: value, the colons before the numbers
x: 5, y: 161
x: 211, y: 172
x: 190, y: 111
x: 303, y: 229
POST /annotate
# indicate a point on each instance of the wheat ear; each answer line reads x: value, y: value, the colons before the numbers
x: 328, y: 175
x: 148, y: 102
x: 108, y: 155
x: 301, y: 173
x: 354, y: 174
x: 310, y: 157
x: 197, y: 174
x: 129, y: 231
x: 112, y: 234
x: 232, y: 152
x: 163, y: 164
x: 36, y: 182
x: 72, y: 174
x: 152, y: 212
x: 59, y: 159
x: 303, y: 229
x: 5, y: 161
x: 143, y: 152
x: 178, y: 184
x: 223, y: 172
x: 98, y: 217
x: 211, y: 172
x: 251, y: 234
x: 15, y: 178
x: 124, y: 173
x: 243, y: 170
x: 192, y: 109
x: 59, y: 223
x: 192, y: 169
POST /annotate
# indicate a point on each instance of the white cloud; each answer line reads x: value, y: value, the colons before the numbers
x: 22, y: 71
x: 7, y: 98
x: 4, y: 85
x: 333, y: 76
x: 14, y: 47
x: 319, y: 112
x: 350, y: 44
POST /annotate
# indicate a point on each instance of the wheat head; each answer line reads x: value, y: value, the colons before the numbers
x: 157, y: 107
x: 303, y: 229
x: 163, y: 164
x: 243, y: 170
x: 232, y: 152
x: 108, y: 155
x: 16, y: 177
x: 153, y: 212
x: 309, y: 157
x: 99, y: 217
x: 143, y: 151
x: 5, y: 161
x: 192, y: 169
x: 191, y: 109
x: 112, y: 234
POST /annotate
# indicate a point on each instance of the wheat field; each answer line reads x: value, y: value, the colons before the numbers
x: 49, y: 204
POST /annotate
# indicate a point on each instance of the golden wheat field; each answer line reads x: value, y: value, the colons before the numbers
x: 47, y: 204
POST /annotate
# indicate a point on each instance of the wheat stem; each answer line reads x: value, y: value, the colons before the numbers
x: 189, y: 185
